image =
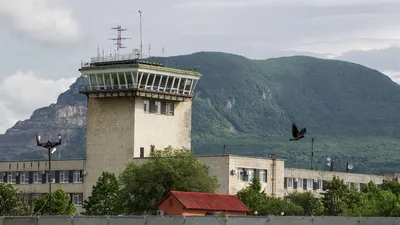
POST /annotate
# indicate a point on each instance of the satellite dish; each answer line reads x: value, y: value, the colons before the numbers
x: 350, y: 166
x: 329, y: 158
x: 136, y: 52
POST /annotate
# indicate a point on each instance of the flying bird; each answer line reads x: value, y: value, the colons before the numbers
x: 296, y: 134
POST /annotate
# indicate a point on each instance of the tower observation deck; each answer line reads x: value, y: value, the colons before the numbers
x: 125, y: 75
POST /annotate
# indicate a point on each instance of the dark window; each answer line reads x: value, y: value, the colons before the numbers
x: 141, y: 152
x: 152, y: 147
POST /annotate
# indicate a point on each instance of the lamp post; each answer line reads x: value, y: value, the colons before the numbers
x: 49, y: 145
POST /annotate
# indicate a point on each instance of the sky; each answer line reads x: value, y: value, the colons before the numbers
x: 44, y: 41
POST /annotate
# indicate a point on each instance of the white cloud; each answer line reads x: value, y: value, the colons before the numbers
x: 213, y: 4
x: 42, y: 21
x: 22, y: 93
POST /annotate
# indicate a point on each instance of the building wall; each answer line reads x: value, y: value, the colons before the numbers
x: 162, y: 130
x: 352, y: 179
x: 236, y: 162
x: 41, y: 166
x: 110, y: 137
x: 219, y: 167
x: 171, y: 206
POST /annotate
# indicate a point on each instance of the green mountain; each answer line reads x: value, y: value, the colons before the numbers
x: 351, y: 111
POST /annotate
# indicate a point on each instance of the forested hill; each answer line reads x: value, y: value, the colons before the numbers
x: 351, y: 111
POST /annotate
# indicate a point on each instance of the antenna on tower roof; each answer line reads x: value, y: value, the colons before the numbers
x: 119, y: 38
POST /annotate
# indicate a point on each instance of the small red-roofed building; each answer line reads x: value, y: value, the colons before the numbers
x: 178, y: 203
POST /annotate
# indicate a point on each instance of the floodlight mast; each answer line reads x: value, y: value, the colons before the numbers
x: 51, y: 148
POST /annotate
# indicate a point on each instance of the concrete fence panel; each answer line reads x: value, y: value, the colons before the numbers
x: 249, y: 221
x: 205, y: 220
x: 67, y: 220
x: 348, y: 220
x: 1, y: 220
x: 124, y: 220
x: 20, y: 221
x: 332, y: 220
x: 293, y: 220
x: 166, y: 221
x: 379, y: 221
x: 88, y: 220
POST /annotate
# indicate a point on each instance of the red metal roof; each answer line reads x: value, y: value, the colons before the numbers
x: 211, y: 202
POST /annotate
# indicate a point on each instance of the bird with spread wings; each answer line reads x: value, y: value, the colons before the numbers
x: 297, y: 135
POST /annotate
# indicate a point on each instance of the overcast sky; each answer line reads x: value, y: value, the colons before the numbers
x: 44, y: 41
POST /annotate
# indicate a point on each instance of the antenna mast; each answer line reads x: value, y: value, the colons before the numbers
x: 141, y: 46
x: 119, y: 38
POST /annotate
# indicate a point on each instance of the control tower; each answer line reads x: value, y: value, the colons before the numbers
x: 133, y: 107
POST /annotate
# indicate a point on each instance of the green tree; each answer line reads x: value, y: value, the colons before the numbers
x: 252, y: 196
x: 311, y: 205
x: 105, y: 196
x: 333, y: 196
x: 59, y: 205
x: 10, y: 200
x: 257, y: 200
x: 143, y: 186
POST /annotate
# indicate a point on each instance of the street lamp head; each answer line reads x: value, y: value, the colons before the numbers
x: 37, y: 138
x: 53, y: 150
x: 59, y: 137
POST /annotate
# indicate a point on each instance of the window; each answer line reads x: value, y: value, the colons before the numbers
x: 64, y: 177
x: 152, y: 148
x: 290, y: 182
x: 23, y: 178
x: 310, y: 184
x: 11, y: 178
x: 240, y: 174
x: 320, y: 184
x: 157, y: 107
x: 77, y: 176
x: 37, y: 178
x: 53, y: 177
x: 169, y: 108
x: 250, y: 174
x: 141, y: 152
x: 146, y: 105
x: 262, y: 175
x: 299, y: 183
x: 77, y: 199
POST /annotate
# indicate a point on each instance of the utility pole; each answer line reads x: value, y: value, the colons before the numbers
x: 49, y: 145
x: 141, y: 46
x: 312, y: 152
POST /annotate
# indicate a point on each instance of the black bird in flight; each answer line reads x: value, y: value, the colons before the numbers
x: 296, y: 134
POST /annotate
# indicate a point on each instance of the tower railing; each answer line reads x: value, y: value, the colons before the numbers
x: 110, y: 58
x: 130, y: 87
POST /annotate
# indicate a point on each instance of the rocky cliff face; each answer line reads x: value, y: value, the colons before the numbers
x: 67, y: 116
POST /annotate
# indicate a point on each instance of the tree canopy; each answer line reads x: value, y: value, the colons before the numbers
x: 10, y: 200
x: 143, y: 186
x: 105, y: 196
x: 59, y: 205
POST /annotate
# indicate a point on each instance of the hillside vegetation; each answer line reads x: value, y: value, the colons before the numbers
x: 351, y: 111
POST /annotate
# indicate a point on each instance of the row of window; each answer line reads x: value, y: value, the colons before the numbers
x: 246, y: 174
x: 158, y: 107
x: 76, y: 198
x: 305, y: 184
x: 311, y: 184
x: 42, y: 177
x: 155, y: 82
